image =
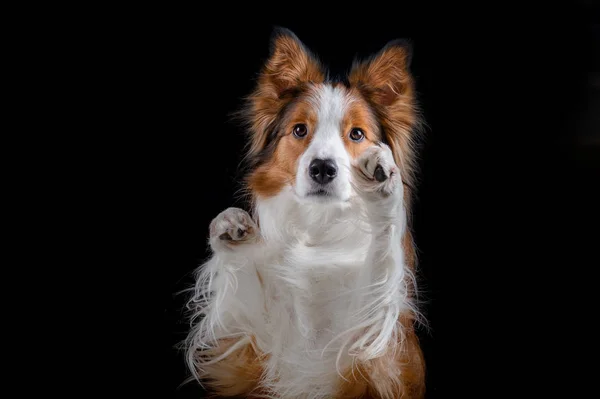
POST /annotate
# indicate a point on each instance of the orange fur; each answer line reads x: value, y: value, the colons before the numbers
x: 289, y: 67
x: 397, y: 374
x: 359, y: 116
x: 237, y: 374
x: 280, y: 169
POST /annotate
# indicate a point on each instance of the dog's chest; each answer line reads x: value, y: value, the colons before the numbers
x: 312, y: 273
x: 311, y: 289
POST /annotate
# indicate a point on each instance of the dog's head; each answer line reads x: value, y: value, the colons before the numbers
x: 306, y: 129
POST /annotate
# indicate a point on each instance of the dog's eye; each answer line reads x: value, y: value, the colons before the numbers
x: 356, y: 135
x: 300, y: 130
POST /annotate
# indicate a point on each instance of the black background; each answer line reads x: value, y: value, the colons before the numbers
x: 506, y: 172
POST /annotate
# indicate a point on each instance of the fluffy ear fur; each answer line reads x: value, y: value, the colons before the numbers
x: 386, y: 82
x: 289, y: 67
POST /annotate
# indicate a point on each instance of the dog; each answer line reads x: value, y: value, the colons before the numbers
x: 314, y: 294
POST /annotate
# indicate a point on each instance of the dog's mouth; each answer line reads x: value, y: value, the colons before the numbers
x: 323, y: 195
x: 319, y: 193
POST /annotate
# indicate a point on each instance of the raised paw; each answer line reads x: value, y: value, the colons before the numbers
x: 375, y: 173
x: 232, y: 227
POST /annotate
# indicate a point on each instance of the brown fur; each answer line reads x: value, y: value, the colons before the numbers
x: 289, y: 67
x: 238, y: 374
x: 280, y: 169
x: 395, y: 375
x: 360, y: 116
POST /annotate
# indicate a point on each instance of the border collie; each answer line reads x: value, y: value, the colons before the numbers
x: 312, y: 294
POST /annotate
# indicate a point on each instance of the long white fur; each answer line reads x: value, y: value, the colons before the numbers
x: 324, y: 285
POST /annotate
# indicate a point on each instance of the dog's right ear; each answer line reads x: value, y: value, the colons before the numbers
x: 289, y: 66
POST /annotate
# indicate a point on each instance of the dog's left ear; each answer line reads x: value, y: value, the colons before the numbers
x: 386, y: 82
x: 385, y: 78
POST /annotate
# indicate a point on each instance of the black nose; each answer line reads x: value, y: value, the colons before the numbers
x: 322, y: 170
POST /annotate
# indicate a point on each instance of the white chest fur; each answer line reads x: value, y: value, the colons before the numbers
x: 316, y: 281
x: 323, y: 288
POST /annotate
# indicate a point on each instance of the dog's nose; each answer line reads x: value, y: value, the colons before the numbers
x: 322, y: 170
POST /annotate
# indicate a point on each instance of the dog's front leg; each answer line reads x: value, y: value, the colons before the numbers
x: 385, y: 342
x: 384, y: 279
x: 228, y: 303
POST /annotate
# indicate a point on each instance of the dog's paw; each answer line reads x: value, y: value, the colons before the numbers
x: 375, y: 173
x: 232, y: 227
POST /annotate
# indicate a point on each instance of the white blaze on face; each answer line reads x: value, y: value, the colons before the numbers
x: 327, y: 142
